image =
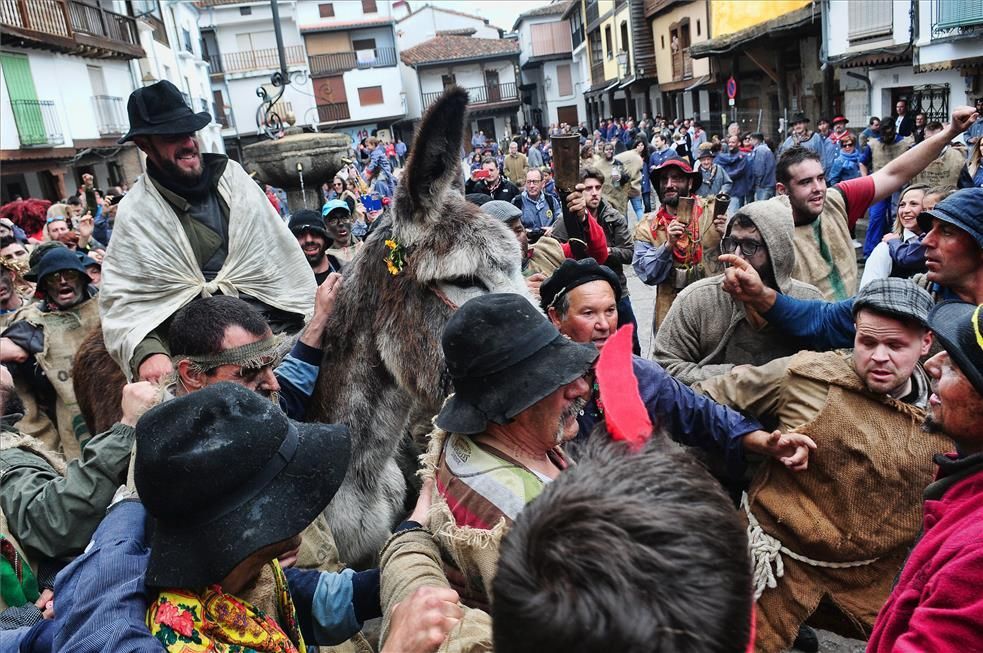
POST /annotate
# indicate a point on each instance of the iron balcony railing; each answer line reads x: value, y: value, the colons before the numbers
x: 110, y: 114
x: 204, y: 104
x: 340, y: 62
x: 333, y: 112
x: 249, y: 60
x: 37, y: 122
x: 225, y: 118
x: 477, y: 95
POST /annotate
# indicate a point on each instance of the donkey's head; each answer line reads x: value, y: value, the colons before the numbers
x: 457, y: 250
x: 441, y: 252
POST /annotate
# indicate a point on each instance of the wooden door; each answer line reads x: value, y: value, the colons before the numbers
x: 568, y: 115
x: 491, y: 84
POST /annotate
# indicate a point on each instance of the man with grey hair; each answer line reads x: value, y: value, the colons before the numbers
x: 841, y: 531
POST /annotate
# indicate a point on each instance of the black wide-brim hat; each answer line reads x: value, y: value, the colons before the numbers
x: 160, y: 109
x: 958, y: 326
x: 225, y: 473
x: 504, y: 356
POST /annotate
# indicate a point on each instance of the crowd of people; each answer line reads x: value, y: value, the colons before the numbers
x: 802, y: 444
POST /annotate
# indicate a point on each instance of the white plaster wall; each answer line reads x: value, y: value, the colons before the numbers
x: 553, y: 97
x: 838, y: 36
x: 390, y: 81
x: 344, y: 10
x: 424, y: 25
x: 885, y: 79
x: 932, y: 52
x: 74, y: 106
x: 411, y: 85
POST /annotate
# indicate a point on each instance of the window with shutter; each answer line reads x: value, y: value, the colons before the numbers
x: 564, y: 80
x: 326, y: 10
x: 370, y: 95
x: 368, y: 7
x: 869, y: 21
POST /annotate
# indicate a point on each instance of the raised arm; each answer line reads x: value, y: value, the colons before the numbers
x: 899, y: 172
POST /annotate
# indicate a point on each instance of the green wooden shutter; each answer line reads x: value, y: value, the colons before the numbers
x: 23, y: 99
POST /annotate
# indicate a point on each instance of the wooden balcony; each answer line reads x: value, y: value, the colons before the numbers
x: 341, y: 62
x: 682, y: 65
x: 335, y: 112
x: 73, y: 26
x: 481, y: 95
x: 597, y: 73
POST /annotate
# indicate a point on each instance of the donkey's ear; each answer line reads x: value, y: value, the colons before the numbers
x: 434, y: 164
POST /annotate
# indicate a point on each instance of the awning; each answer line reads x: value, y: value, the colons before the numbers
x: 627, y: 82
x: 592, y: 91
x: 777, y: 27
x: 882, y: 57
x: 699, y: 82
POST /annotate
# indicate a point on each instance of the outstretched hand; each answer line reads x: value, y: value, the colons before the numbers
x: 745, y: 285
x: 790, y: 449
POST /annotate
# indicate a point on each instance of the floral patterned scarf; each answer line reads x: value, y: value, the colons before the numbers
x: 187, y: 622
x: 688, y: 249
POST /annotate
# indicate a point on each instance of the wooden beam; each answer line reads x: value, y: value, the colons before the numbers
x: 760, y: 60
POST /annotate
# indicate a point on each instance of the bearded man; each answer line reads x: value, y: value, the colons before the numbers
x: 839, y: 532
x: 39, y: 346
x: 670, y: 253
x: 195, y: 225
x: 308, y: 228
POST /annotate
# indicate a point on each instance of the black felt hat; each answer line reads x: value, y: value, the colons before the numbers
x: 576, y: 273
x: 225, y: 474
x: 160, y: 109
x: 959, y: 327
x: 503, y: 356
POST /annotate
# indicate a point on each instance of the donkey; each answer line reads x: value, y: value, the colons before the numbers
x: 383, y: 370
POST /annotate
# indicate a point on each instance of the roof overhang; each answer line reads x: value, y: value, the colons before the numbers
x: 784, y: 25
x: 445, y: 62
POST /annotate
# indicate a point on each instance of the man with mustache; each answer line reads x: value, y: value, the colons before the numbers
x: 194, y: 225
x: 933, y: 604
x: 518, y: 389
x: 838, y: 533
x: 824, y: 253
x: 40, y: 344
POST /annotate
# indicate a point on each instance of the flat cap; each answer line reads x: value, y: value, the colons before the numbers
x: 501, y: 210
x: 900, y: 298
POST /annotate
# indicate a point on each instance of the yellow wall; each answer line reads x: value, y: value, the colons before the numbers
x: 728, y: 16
x: 660, y: 36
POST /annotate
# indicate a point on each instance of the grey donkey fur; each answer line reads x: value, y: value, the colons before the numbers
x: 383, y: 369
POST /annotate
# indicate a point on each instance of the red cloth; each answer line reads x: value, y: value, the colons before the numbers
x: 859, y: 195
x: 937, y: 604
x: 597, y: 242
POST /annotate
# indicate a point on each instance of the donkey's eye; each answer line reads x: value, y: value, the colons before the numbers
x: 466, y: 282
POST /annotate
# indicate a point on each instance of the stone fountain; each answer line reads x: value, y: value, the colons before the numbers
x: 275, y: 162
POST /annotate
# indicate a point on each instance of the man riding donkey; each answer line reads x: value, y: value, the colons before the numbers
x: 195, y: 225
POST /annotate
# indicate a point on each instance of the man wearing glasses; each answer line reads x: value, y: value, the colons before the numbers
x: 38, y: 347
x: 707, y: 332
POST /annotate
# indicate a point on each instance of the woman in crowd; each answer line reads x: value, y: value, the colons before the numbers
x: 849, y: 162
x: 900, y: 254
x: 972, y: 173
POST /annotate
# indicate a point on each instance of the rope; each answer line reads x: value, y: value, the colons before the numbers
x: 766, y: 551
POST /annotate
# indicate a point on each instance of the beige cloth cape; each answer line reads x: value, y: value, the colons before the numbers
x: 150, y: 270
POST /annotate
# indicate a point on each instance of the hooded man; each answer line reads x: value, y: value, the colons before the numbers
x: 707, y: 332
x: 839, y: 532
x: 195, y: 225
x: 308, y: 227
x: 40, y: 345
x: 670, y: 253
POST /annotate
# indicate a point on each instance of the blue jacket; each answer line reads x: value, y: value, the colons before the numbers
x: 735, y: 164
x: 690, y: 418
x: 763, y: 168
x: 658, y: 158
x: 908, y: 257
x: 538, y: 214
x: 297, y: 375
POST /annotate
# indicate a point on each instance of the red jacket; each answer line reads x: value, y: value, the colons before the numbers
x: 597, y: 242
x: 937, y: 605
